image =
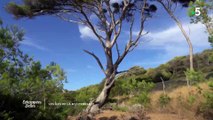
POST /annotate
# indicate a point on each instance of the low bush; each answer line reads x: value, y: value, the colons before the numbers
x: 191, y: 99
x: 207, y: 106
x: 211, y: 85
x: 164, y: 100
x: 143, y: 99
x: 194, y: 77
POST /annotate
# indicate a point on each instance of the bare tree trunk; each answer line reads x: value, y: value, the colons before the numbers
x: 184, y: 34
x: 163, y: 84
x: 99, y: 102
x: 188, y: 41
x: 95, y: 105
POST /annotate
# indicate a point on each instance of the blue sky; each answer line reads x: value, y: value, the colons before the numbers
x: 49, y: 39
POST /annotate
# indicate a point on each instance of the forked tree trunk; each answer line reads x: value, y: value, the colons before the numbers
x: 95, y: 105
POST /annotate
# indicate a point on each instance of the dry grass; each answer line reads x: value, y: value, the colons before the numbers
x: 180, y: 101
x: 165, y: 116
x: 179, y: 108
x: 110, y: 113
x: 183, y: 90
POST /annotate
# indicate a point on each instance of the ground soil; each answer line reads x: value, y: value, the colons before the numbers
x: 152, y: 116
x: 116, y: 115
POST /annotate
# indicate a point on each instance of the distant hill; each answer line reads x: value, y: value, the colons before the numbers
x: 175, y: 68
x: 173, y: 71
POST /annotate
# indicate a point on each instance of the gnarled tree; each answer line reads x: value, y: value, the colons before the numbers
x: 111, y: 18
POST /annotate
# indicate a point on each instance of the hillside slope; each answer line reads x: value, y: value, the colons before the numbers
x: 137, y: 81
x: 183, y: 105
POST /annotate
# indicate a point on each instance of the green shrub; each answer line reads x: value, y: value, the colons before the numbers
x: 207, y: 107
x: 75, y: 110
x: 194, y: 76
x: 143, y: 99
x: 191, y: 99
x: 211, y: 85
x: 208, y: 99
x: 142, y: 93
x: 6, y: 115
x: 164, y: 100
x: 156, y: 74
x: 210, y: 39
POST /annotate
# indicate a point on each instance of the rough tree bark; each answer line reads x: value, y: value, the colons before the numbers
x: 95, y: 105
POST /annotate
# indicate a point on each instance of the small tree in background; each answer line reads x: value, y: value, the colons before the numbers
x: 205, y: 17
x: 194, y: 77
x: 170, y: 6
x: 164, y: 100
x: 111, y: 19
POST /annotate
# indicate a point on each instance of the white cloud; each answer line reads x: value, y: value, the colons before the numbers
x: 173, y: 35
x: 86, y: 33
x: 30, y: 43
x: 172, y: 41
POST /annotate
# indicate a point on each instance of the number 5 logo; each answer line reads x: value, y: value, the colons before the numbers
x: 197, y: 11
